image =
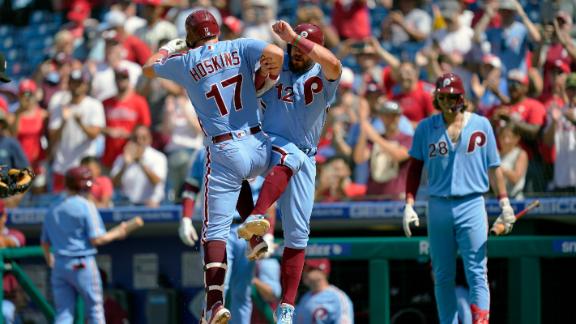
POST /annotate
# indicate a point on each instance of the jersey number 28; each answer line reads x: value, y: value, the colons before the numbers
x: 215, y: 93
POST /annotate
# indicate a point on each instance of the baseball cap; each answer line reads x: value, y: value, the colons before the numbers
x: 519, y: 76
x: 27, y: 86
x: 389, y: 107
x: 234, y: 24
x: 318, y: 264
x: 571, y: 81
x: 115, y: 18
x: 492, y: 60
x: 3, y: 66
x: 79, y: 75
x: 507, y: 5
x: 79, y: 11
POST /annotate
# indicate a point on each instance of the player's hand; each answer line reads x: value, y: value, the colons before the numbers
x: 284, y: 31
x: 410, y: 216
x: 175, y: 45
x: 269, y: 239
x: 507, y: 217
x: 187, y: 232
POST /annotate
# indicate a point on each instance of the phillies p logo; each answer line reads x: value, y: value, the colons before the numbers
x: 477, y: 139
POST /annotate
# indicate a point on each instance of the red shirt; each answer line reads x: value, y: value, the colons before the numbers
x: 417, y: 104
x: 102, y: 187
x: 352, y: 21
x: 125, y: 114
x: 30, y: 131
x: 136, y: 50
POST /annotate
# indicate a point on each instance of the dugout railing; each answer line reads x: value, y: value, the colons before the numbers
x: 523, y: 254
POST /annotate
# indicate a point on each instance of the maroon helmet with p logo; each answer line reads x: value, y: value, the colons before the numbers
x: 79, y: 179
x: 200, y: 24
x: 311, y: 32
x: 450, y: 84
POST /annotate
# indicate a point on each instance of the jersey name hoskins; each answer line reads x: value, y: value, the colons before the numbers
x: 214, y: 64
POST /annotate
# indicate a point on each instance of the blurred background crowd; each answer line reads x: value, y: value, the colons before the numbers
x: 78, y: 95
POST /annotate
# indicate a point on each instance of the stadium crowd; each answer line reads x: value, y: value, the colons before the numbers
x: 78, y: 95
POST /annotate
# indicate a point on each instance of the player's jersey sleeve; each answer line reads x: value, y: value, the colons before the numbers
x: 173, y: 67
x: 417, y: 150
x: 330, y: 87
x: 492, y: 153
x: 95, y: 226
x: 251, y: 50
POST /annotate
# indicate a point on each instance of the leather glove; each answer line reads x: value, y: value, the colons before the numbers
x: 507, y: 217
x: 175, y: 45
x: 410, y: 216
x: 187, y: 232
x: 21, y: 180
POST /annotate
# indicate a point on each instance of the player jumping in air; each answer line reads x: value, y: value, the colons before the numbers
x: 459, y: 152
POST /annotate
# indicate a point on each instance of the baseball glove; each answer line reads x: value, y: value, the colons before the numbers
x: 15, y: 181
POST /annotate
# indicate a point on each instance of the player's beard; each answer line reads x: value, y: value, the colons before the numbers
x: 300, y: 63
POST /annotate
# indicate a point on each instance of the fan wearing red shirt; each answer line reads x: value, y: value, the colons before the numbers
x: 102, y: 188
x: 123, y: 112
x: 409, y: 93
x: 351, y: 18
x: 29, y: 124
x: 135, y: 49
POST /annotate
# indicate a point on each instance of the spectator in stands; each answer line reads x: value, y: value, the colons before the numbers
x: 514, y: 161
x: 192, y: 5
x: 53, y: 75
x: 258, y: 16
x: 527, y: 117
x: 134, y: 49
x: 28, y: 125
x: 11, y: 155
x: 323, y: 302
x: 334, y: 182
x: 387, y: 153
x: 78, y: 13
x: 509, y: 41
x: 351, y: 18
x: 103, y: 83
x: 489, y: 85
x: 156, y: 28
x: 76, y: 121
x: 313, y: 14
x: 124, y: 112
x: 102, y: 189
x: 231, y: 28
x: 141, y: 170
x: 133, y: 21
x: 181, y: 127
x: 410, y: 94
x: 560, y: 132
x: 407, y: 24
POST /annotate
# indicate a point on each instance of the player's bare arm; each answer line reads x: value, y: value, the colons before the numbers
x: 48, y: 256
x: 118, y: 232
x: 331, y: 66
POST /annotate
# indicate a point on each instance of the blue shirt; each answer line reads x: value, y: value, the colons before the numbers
x: 295, y: 108
x: 69, y: 226
x: 219, y: 81
x: 330, y: 305
x: 456, y: 169
x: 510, y: 45
x: 11, y: 153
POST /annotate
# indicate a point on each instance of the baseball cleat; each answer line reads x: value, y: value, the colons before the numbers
x: 253, y: 225
x: 284, y: 314
x: 217, y: 315
x: 257, y: 248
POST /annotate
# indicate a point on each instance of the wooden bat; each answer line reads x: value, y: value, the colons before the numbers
x: 130, y: 225
x: 498, y: 229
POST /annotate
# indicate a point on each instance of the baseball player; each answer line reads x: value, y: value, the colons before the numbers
x: 73, y: 228
x: 239, y: 253
x: 324, y: 303
x: 218, y: 79
x: 459, y: 152
x: 295, y: 112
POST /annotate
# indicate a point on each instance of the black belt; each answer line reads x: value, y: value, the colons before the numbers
x: 228, y: 136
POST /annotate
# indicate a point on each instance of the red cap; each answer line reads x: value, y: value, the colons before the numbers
x: 234, y: 24
x: 3, y: 105
x: 318, y: 264
x: 27, y: 85
x: 519, y: 76
x: 79, y: 11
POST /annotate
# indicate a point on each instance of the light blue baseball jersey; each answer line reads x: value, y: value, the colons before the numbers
x: 456, y: 169
x: 330, y: 306
x: 69, y: 226
x: 295, y: 108
x: 218, y: 80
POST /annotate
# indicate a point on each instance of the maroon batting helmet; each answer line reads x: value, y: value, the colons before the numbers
x: 450, y: 84
x: 311, y: 32
x: 200, y: 24
x: 78, y: 179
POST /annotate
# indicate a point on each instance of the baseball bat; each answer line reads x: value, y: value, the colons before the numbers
x: 498, y: 229
x: 130, y: 225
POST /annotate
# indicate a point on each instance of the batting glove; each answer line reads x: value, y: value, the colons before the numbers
x: 175, y: 45
x: 410, y: 216
x: 507, y: 217
x: 269, y: 239
x: 187, y: 232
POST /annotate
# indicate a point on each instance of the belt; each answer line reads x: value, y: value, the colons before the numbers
x: 228, y: 136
